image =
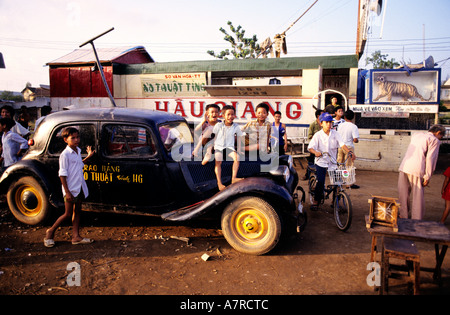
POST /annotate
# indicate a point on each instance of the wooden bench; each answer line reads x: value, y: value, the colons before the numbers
x: 297, y: 150
x: 400, y: 249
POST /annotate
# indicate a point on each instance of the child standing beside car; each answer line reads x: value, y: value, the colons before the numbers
x: 74, y: 186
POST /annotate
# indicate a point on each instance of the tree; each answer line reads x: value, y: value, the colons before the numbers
x: 380, y: 61
x: 242, y: 48
x: 9, y: 96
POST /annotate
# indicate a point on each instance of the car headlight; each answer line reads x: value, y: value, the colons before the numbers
x: 282, y: 170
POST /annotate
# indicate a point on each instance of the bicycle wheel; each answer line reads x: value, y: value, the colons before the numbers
x: 312, y: 186
x: 342, y: 211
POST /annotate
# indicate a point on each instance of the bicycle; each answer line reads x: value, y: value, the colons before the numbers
x: 339, y: 176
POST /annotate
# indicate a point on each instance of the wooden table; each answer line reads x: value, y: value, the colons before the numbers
x: 417, y: 231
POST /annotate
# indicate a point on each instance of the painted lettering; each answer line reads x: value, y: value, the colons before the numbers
x: 90, y: 168
x: 201, y: 105
x: 249, y: 109
x: 123, y: 178
x: 293, y: 113
x: 271, y: 109
x: 166, y: 106
x: 110, y: 168
x: 101, y: 177
x: 179, y: 108
x: 137, y: 178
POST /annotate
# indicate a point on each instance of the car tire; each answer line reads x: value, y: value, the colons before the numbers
x: 251, y: 225
x: 28, y: 201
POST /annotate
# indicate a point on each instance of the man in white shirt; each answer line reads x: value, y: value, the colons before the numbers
x: 14, y: 146
x: 349, y: 134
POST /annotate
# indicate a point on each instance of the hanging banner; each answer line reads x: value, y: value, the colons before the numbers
x: 170, y: 85
x: 395, y: 110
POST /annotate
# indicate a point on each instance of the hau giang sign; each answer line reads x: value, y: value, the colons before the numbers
x: 184, y: 94
x: 191, y: 109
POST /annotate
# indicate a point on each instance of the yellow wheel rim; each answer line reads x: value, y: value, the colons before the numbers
x: 28, y: 200
x: 250, y: 225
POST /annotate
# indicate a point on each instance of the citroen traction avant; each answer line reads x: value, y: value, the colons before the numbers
x: 143, y: 164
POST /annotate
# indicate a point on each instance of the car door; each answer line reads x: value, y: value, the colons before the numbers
x: 131, y: 174
x: 88, y: 137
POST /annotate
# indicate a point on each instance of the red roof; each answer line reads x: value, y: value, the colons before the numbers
x: 122, y: 55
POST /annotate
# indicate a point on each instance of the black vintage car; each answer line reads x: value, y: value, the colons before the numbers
x: 143, y: 164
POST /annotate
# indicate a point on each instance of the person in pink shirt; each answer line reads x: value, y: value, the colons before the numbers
x: 416, y: 169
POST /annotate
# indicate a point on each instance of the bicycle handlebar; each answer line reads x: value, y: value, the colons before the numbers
x: 333, y: 160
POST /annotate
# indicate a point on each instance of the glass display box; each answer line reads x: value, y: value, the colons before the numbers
x: 398, y: 86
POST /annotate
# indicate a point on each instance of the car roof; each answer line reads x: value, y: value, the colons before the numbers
x: 116, y: 114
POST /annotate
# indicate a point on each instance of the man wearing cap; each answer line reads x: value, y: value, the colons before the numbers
x: 326, y: 140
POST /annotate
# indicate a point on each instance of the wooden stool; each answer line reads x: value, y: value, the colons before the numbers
x: 400, y: 249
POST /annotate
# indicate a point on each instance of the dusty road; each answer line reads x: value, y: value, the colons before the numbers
x: 136, y: 255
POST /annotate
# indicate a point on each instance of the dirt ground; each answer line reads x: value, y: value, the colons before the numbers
x: 139, y: 255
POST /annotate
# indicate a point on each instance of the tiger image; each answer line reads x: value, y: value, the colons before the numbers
x: 390, y: 88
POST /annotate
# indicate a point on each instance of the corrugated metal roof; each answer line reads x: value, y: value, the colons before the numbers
x: 83, y: 56
x: 269, y: 64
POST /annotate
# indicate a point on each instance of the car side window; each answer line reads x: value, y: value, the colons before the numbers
x: 120, y: 140
x: 87, y: 138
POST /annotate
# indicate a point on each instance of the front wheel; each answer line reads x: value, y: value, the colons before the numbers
x: 343, y: 211
x: 251, y: 225
x: 28, y: 201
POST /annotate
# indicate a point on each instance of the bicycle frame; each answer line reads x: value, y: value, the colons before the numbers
x: 332, y: 187
x: 341, y: 202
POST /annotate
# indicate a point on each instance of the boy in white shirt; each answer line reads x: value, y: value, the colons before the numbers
x: 74, y: 186
x: 326, y: 140
x: 339, y: 113
x: 227, y: 133
x: 205, y: 131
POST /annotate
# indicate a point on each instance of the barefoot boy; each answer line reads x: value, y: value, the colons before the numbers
x: 74, y: 186
x: 206, y: 127
x: 258, y: 131
x: 227, y: 133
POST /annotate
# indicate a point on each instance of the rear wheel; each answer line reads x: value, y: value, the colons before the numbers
x: 251, y: 225
x: 343, y: 211
x: 28, y: 201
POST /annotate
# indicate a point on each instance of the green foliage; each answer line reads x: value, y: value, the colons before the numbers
x: 9, y: 96
x: 241, y: 47
x: 380, y: 61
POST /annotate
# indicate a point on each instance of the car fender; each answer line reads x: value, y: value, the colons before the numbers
x: 37, y: 170
x: 256, y: 186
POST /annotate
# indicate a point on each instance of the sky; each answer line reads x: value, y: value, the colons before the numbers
x: 33, y: 33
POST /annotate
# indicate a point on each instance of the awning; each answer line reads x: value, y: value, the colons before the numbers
x: 258, y: 90
x: 273, y: 65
